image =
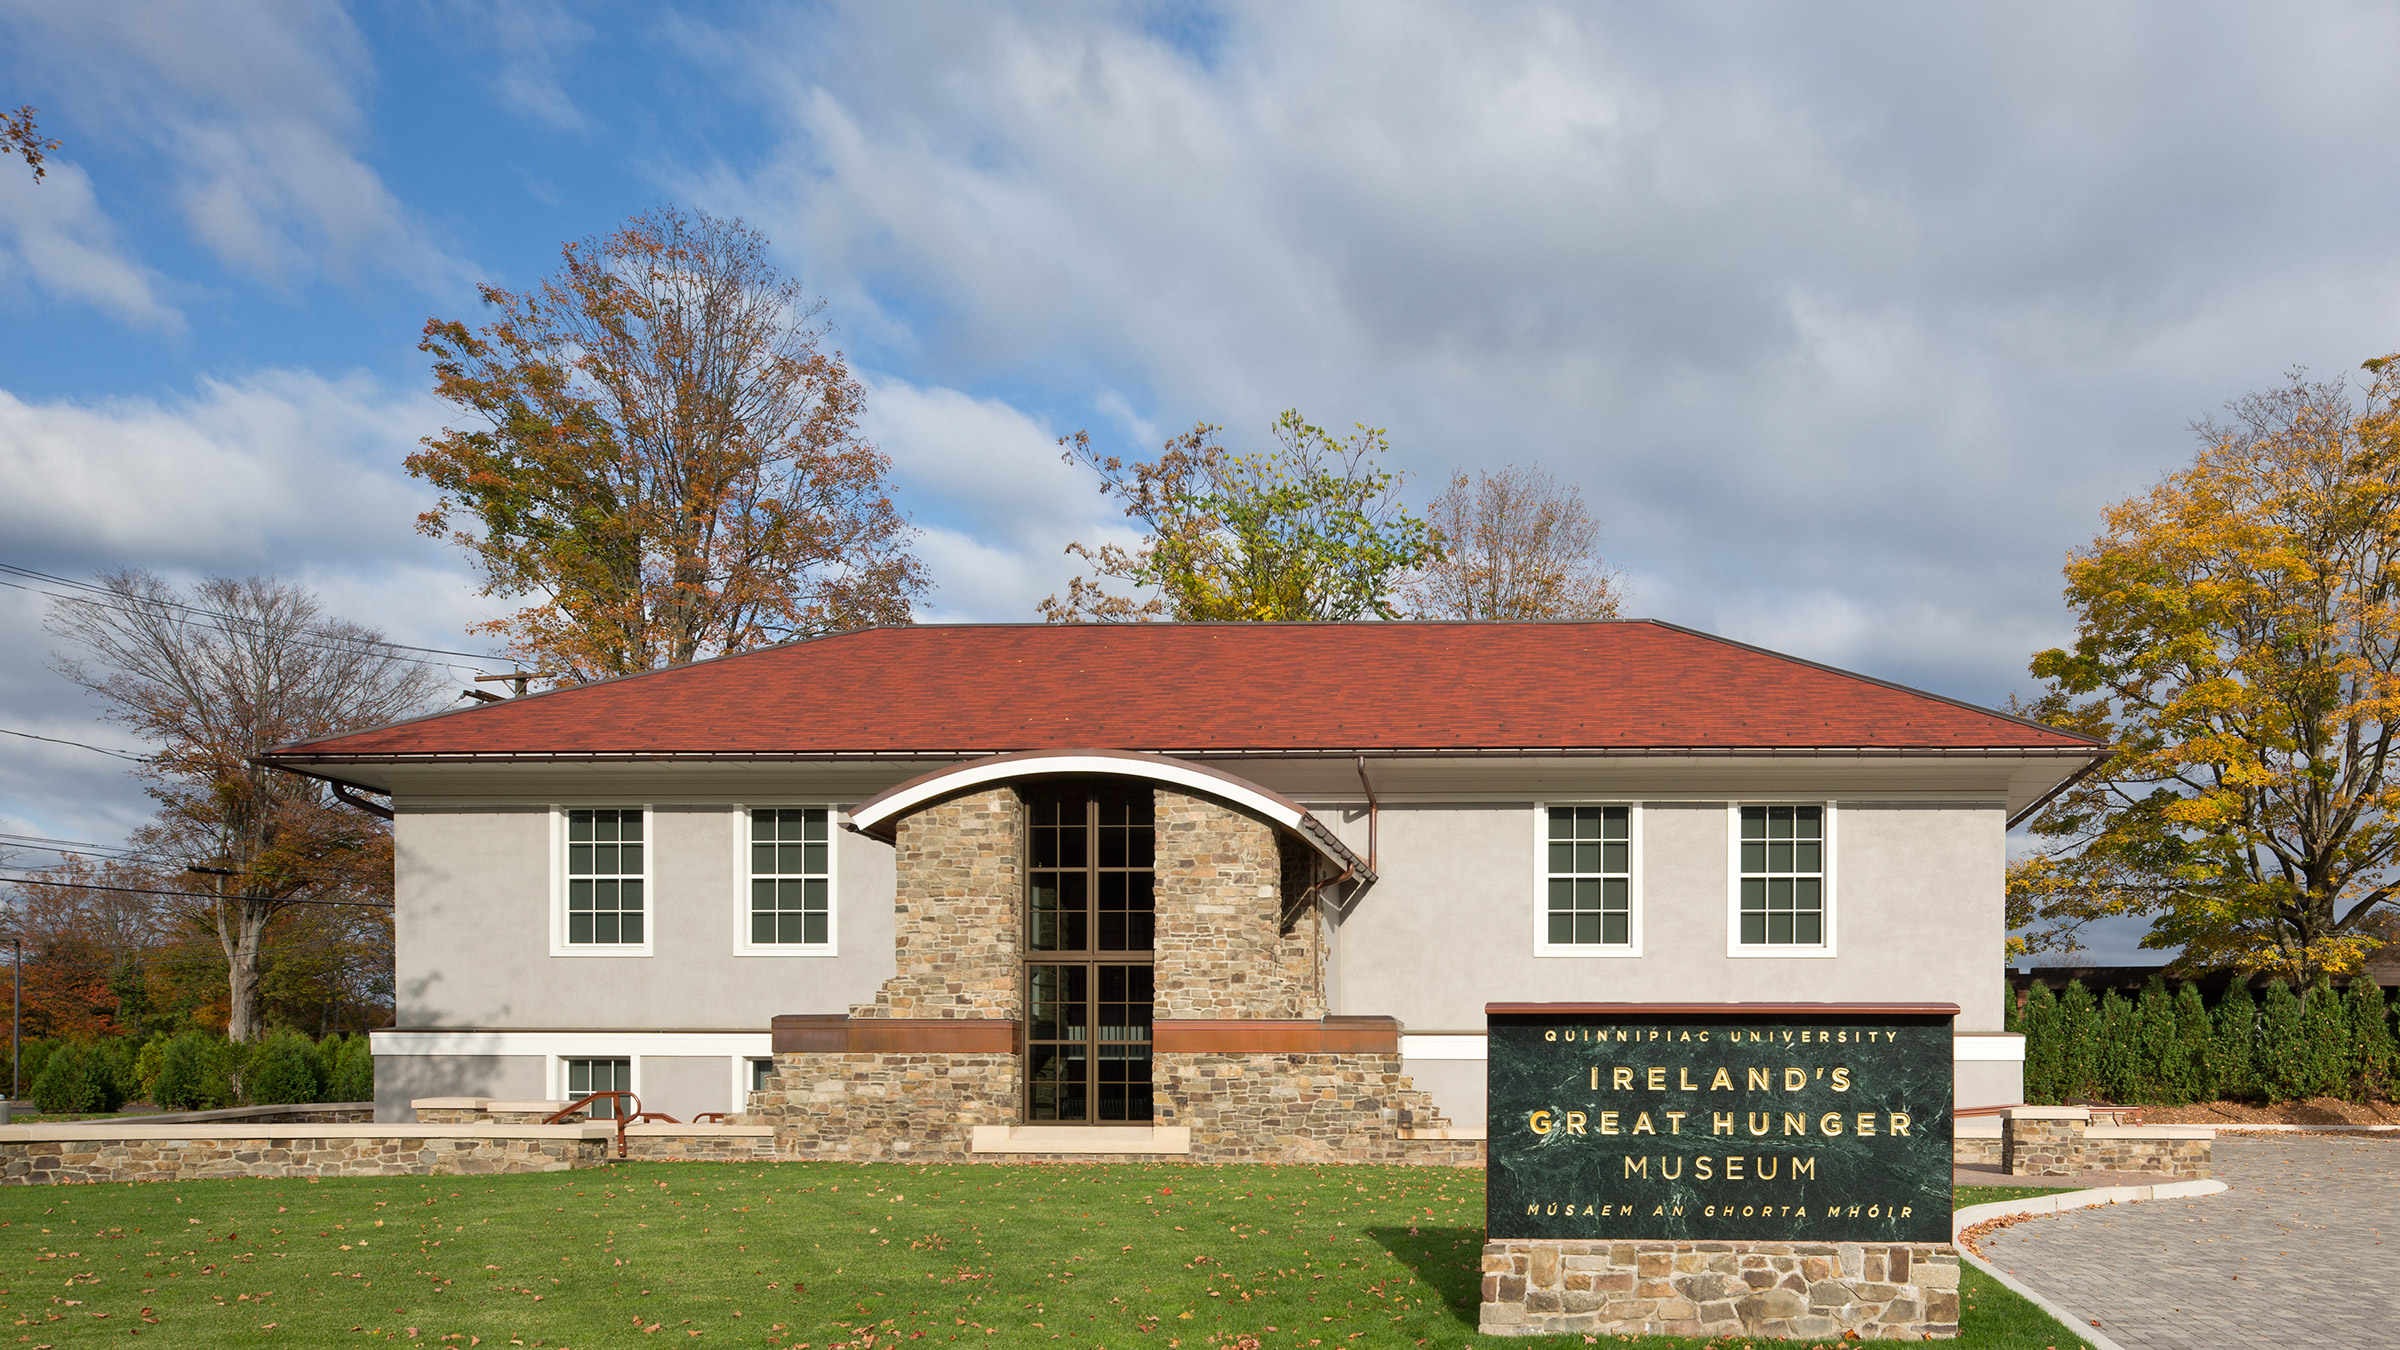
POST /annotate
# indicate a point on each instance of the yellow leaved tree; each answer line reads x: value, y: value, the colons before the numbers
x: 2238, y: 642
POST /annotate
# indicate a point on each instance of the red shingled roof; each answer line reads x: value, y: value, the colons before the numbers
x: 1196, y: 688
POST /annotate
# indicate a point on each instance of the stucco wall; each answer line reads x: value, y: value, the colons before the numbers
x: 1450, y: 926
x: 401, y: 1079
x: 474, y: 929
x: 684, y: 1085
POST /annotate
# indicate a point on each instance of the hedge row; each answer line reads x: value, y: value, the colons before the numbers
x: 2167, y: 1049
x: 197, y: 1071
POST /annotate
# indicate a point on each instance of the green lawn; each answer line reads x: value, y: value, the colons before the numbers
x: 820, y: 1255
x: 1963, y: 1196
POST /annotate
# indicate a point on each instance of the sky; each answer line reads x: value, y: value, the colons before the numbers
x: 1848, y: 321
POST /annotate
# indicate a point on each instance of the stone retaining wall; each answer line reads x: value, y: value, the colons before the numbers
x: 2061, y: 1141
x: 37, y: 1155
x: 1879, y: 1291
x: 300, y: 1113
x: 1969, y: 1150
x: 699, y: 1143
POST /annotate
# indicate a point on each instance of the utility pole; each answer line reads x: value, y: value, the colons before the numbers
x: 16, y: 1021
x: 515, y: 677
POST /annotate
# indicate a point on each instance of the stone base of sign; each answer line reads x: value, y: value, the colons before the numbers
x: 1976, y: 1143
x: 1873, y: 1290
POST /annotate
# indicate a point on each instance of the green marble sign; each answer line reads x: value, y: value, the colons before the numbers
x: 1797, y: 1126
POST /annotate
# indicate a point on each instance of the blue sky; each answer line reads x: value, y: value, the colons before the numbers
x: 1847, y: 320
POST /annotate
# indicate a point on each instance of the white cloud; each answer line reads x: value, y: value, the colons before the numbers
x: 531, y: 35
x: 1834, y: 302
x: 997, y: 501
x: 55, y: 237
x: 254, y: 110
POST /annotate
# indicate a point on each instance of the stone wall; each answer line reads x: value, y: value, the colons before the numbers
x: 958, y: 901
x: 2058, y: 1141
x: 699, y: 1143
x: 486, y: 1111
x: 32, y: 1155
x: 300, y: 1113
x: 2042, y: 1147
x: 1221, y: 946
x: 871, y: 1107
x: 1301, y: 1108
x: 1975, y: 1150
x: 1877, y: 1291
x: 2148, y: 1151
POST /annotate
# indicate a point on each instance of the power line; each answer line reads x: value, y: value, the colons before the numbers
x: 113, y: 852
x: 186, y: 895
x: 234, y: 625
x: 95, y: 749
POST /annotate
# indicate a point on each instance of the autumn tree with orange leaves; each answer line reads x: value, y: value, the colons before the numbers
x: 2238, y: 643
x: 666, y: 457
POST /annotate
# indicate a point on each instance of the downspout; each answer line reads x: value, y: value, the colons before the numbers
x: 1373, y: 809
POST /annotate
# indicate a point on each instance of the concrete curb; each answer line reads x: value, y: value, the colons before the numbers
x: 2065, y: 1201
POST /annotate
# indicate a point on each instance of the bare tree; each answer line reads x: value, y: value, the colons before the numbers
x: 1517, y: 544
x: 211, y: 678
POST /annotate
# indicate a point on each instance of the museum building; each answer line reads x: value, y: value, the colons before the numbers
x: 1226, y: 891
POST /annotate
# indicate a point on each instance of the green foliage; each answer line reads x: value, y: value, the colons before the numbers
x: 148, y: 1064
x: 2153, y: 1043
x: 78, y: 1077
x: 2184, y: 1068
x: 2233, y: 1044
x: 328, y: 1056
x: 2078, y: 1042
x: 2278, y: 1066
x: 2325, y: 1040
x: 197, y: 1073
x: 282, y: 1069
x: 2119, y: 1054
x: 2372, y: 1052
x: 2238, y: 647
x: 33, y: 1055
x: 2040, y: 1022
x: 1311, y: 530
x: 354, y: 1077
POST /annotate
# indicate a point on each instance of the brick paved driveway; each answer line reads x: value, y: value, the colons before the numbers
x: 2294, y: 1254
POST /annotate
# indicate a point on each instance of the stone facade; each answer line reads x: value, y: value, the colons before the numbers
x: 1237, y: 939
x: 1301, y: 1108
x: 1223, y: 951
x: 1875, y: 1291
x: 34, y: 1156
x: 958, y: 907
x: 881, y: 1107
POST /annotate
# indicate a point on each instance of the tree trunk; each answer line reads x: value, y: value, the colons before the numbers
x: 242, y: 941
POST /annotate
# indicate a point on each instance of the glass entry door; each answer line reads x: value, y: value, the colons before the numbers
x: 1088, y: 932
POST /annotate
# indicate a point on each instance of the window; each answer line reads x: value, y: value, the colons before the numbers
x: 1088, y: 932
x: 599, y: 1075
x: 791, y: 886
x: 1782, y: 877
x: 1588, y: 899
x: 761, y: 1071
x: 604, y: 877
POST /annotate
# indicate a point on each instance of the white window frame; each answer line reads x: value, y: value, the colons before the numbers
x: 559, y: 946
x: 1542, y: 945
x: 832, y: 945
x: 1734, y: 946
x: 555, y: 1079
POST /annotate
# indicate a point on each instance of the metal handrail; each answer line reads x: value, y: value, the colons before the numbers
x: 623, y: 1118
